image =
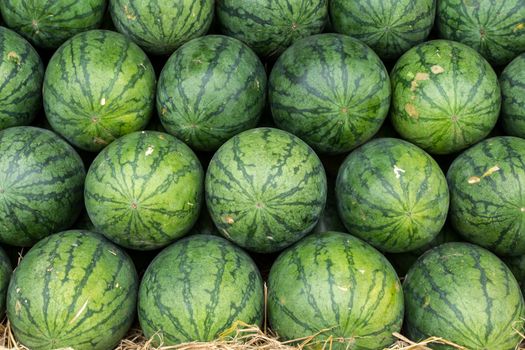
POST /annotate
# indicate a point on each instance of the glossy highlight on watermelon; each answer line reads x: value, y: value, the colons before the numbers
x: 6, y: 270
x: 389, y: 27
x: 330, y: 90
x: 487, y: 194
x: 334, y: 281
x: 161, y: 26
x: 23, y: 72
x: 197, y: 288
x: 144, y: 190
x: 465, y: 294
x: 98, y: 86
x: 512, y: 82
x: 445, y: 96
x: 265, y: 189
x: 72, y: 289
x: 211, y: 89
x: 41, y: 182
x: 269, y: 27
x: 48, y: 24
x: 496, y: 29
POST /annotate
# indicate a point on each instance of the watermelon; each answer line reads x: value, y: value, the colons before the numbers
x: 5, y: 275
x: 196, y: 289
x: 161, y: 26
x: 494, y: 28
x: 330, y: 90
x: 73, y: 289
x: 446, y: 97
x: 211, y: 89
x: 465, y: 294
x: 98, y: 86
x: 487, y: 194
x: 144, y: 190
x: 23, y: 72
x: 41, y: 181
x: 48, y: 24
x: 512, y: 82
x: 392, y: 194
x: 517, y: 265
x: 389, y: 27
x: 269, y: 27
x: 338, y: 285
x: 265, y: 189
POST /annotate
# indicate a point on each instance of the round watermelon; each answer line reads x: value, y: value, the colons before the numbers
x: 47, y: 23
x: 41, y: 181
x: 161, y: 26
x: 73, y: 289
x: 196, y: 289
x: 144, y: 190
x: 389, y: 27
x: 338, y: 285
x: 265, y: 189
x: 512, y: 82
x: 23, y: 72
x: 98, y: 86
x: 330, y: 90
x: 465, y: 294
x: 6, y: 271
x: 269, y: 27
x: 494, y: 28
x: 517, y: 265
x: 487, y: 194
x: 446, y: 96
x: 211, y: 89
x: 392, y: 194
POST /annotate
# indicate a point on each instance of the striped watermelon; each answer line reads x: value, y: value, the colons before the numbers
x: 389, y: 27
x: 197, y: 288
x: 487, y: 193
x: 23, y: 72
x: 517, y: 265
x: 330, y: 90
x: 47, y: 23
x: 446, y: 97
x: 265, y: 189
x: 41, y: 181
x: 5, y: 275
x: 269, y: 27
x: 72, y: 289
x: 144, y: 190
x: 494, y: 28
x: 211, y: 89
x: 98, y: 86
x: 161, y: 26
x: 512, y: 82
x: 465, y: 294
x: 338, y: 285
x: 393, y: 195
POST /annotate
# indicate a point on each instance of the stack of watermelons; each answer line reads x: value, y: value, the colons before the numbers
x: 161, y: 161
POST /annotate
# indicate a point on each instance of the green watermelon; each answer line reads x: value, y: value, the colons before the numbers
x: 161, y: 26
x: 265, y: 189
x: 392, y: 194
x: 512, y: 82
x: 465, y: 294
x: 517, y: 265
x: 98, y: 86
x: 211, y: 89
x: 269, y: 27
x: 47, y: 23
x: 72, y: 289
x: 330, y: 90
x: 6, y: 271
x: 22, y: 74
x: 41, y: 181
x: 389, y: 27
x: 446, y: 97
x: 144, y: 190
x: 487, y: 194
x: 196, y: 289
x: 494, y: 28
x: 338, y: 285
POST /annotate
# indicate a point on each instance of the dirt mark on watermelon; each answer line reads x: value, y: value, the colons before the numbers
x: 412, y: 111
x: 477, y: 179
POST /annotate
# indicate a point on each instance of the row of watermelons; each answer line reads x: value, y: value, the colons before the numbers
x: 216, y: 149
